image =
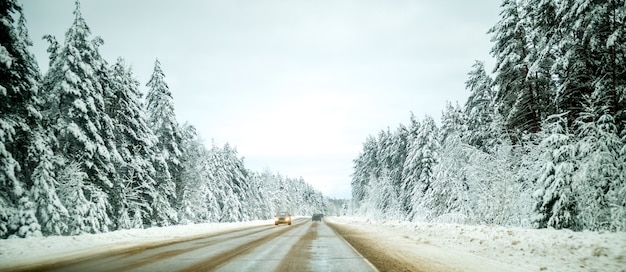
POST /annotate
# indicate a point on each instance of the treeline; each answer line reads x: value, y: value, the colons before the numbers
x: 541, y: 142
x: 81, y: 151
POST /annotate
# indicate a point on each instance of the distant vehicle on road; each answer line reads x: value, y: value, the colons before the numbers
x: 282, y: 217
x: 317, y: 217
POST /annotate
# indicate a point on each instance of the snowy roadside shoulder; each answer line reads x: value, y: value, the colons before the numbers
x: 27, y: 251
x: 528, y: 249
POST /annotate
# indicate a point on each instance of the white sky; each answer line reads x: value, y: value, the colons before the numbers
x: 295, y: 85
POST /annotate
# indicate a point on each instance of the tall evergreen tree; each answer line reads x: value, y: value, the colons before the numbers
x: 598, y: 179
x: 135, y: 184
x: 162, y: 120
x: 593, y: 53
x: 364, y: 166
x: 516, y: 95
x: 26, y: 172
x: 453, y: 121
x: 480, y: 109
x: 410, y: 165
x: 79, y: 121
x: 421, y: 159
x: 556, y: 196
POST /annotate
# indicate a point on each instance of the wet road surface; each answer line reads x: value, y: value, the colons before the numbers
x: 303, y: 246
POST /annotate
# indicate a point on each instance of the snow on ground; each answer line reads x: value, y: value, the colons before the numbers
x: 17, y: 252
x: 529, y: 249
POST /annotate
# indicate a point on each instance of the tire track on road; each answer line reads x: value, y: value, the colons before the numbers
x: 213, y: 263
x: 299, y: 255
x: 172, y: 253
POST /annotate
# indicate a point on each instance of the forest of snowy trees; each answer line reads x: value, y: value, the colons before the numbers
x: 81, y: 151
x: 539, y: 142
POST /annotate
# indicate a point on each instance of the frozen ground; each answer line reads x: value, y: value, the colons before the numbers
x: 527, y: 249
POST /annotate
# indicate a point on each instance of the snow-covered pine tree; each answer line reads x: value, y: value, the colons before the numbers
x: 258, y: 204
x: 593, y: 51
x: 410, y: 164
x: 556, y: 196
x: 364, y: 166
x: 422, y: 158
x: 516, y: 96
x: 616, y: 196
x: 229, y: 193
x: 384, y: 198
x: 237, y: 180
x: 598, y: 178
x: 199, y: 202
x: 542, y: 36
x: 76, y: 114
x: 399, y: 146
x: 162, y: 120
x: 27, y: 184
x: 135, y: 183
x: 453, y: 121
x: 479, y: 109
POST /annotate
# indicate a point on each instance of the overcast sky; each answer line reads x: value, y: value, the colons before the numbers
x: 295, y: 85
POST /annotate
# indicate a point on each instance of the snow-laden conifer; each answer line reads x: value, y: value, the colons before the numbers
x: 135, y: 183
x: 162, y: 120
x: 26, y: 170
x: 598, y: 177
x: 75, y: 111
x: 556, y: 195
x: 421, y: 159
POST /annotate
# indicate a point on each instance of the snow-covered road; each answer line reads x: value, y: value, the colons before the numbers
x: 441, y: 246
x: 301, y: 246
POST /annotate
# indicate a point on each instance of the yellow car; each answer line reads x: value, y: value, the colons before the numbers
x: 282, y: 217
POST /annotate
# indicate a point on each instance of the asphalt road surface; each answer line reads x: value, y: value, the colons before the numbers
x: 303, y: 246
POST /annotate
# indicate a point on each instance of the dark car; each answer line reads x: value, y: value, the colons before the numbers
x: 282, y: 217
x: 317, y: 217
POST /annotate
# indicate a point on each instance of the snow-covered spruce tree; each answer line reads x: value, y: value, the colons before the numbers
x: 27, y: 190
x: 75, y: 111
x: 199, y: 201
x: 399, y: 149
x: 453, y: 121
x: 590, y: 48
x: 258, y: 201
x: 616, y: 197
x: 272, y: 188
x: 479, y: 109
x: 516, y: 96
x: 364, y: 166
x: 384, y: 202
x: 448, y: 197
x: 225, y: 167
x: 408, y: 169
x: 421, y: 159
x: 162, y: 120
x: 542, y: 37
x: 556, y: 197
x: 134, y: 183
x: 593, y: 49
x: 598, y: 179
